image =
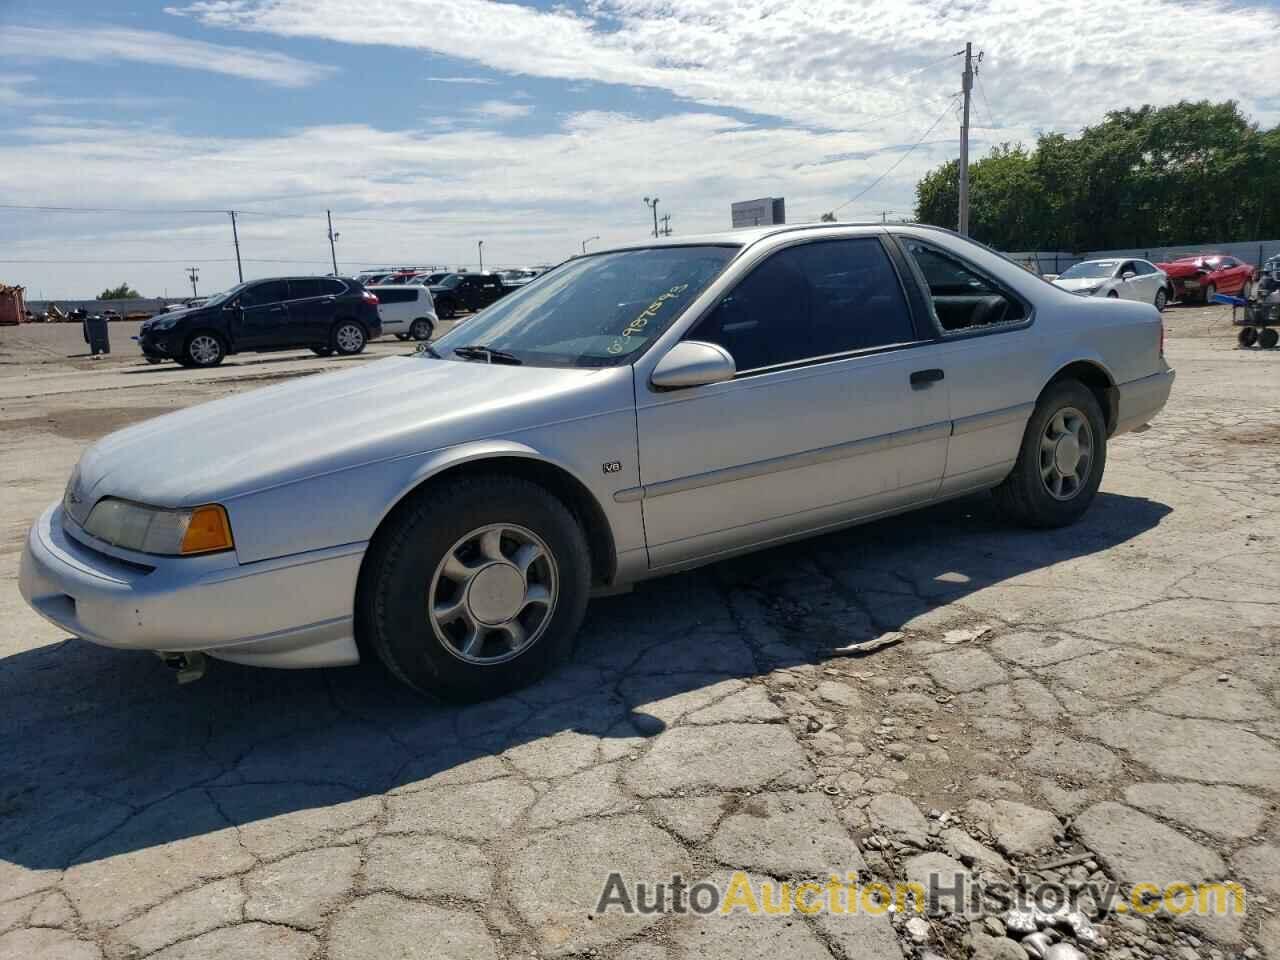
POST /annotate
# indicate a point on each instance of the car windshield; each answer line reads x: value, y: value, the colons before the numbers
x: 1090, y: 269
x: 594, y: 311
x: 450, y: 281
x: 225, y: 295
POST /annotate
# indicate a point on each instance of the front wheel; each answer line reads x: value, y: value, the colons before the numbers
x: 475, y: 587
x: 1162, y: 299
x: 348, y: 338
x: 1060, y: 462
x: 1209, y: 292
x: 204, y: 350
x: 447, y: 309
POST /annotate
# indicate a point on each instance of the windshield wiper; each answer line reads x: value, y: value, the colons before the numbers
x: 487, y: 354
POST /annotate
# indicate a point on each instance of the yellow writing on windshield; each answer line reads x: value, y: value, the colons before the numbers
x: 636, y: 326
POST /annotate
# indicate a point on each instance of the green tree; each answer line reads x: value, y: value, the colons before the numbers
x: 122, y: 292
x: 1152, y: 176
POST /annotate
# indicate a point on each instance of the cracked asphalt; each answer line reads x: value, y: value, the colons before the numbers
x: 1095, y: 703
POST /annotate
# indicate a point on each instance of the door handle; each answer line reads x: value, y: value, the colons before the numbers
x: 922, y: 378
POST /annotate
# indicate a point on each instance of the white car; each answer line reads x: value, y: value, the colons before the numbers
x: 1118, y: 279
x: 634, y: 412
x: 407, y: 310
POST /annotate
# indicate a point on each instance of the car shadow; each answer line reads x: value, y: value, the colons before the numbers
x: 106, y: 755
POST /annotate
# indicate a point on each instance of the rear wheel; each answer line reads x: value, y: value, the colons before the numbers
x: 1268, y: 338
x: 1162, y: 299
x: 348, y: 338
x: 1209, y: 291
x: 421, y: 329
x: 1060, y: 463
x: 475, y: 587
x: 447, y: 309
x: 204, y: 349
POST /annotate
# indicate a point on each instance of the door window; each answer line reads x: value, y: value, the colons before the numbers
x: 808, y: 301
x: 305, y: 287
x: 962, y: 297
x: 269, y: 291
x: 1143, y: 268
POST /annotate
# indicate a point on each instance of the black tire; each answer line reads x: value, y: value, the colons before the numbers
x: 446, y: 309
x: 402, y: 336
x: 1162, y: 299
x: 1024, y: 495
x: 1268, y: 338
x: 348, y: 338
x: 322, y: 351
x: 204, y: 348
x: 405, y: 554
x: 1112, y: 295
x: 421, y: 329
x: 1247, y: 336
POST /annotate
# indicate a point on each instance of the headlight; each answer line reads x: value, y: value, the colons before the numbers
x: 1088, y: 291
x: 157, y: 530
x: 164, y: 323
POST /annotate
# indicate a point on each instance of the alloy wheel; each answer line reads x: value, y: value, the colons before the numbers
x: 493, y: 594
x: 1066, y: 453
x: 350, y: 338
x: 204, y: 349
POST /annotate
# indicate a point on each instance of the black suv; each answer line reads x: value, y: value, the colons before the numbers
x: 467, y: 291
x: 327, y: 314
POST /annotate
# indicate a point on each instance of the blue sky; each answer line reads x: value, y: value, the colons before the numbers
x: 428, y: 125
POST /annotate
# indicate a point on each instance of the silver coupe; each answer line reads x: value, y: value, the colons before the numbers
x: 628, y: 414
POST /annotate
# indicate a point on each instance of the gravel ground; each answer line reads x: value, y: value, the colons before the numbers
x: 1097, y: 703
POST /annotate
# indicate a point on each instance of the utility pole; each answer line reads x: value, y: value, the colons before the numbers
x: 235, y: 238
x: 332, y: 237
x: 666, y: 224
x: 967, y: 87
x: 480, y: 247
x: 597, y: 237
x: 653, y: 205
x: 194, y: 274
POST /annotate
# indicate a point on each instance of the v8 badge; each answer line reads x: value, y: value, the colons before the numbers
x: 613, y: 466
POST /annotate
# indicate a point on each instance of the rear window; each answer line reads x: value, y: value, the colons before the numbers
x: 396, y: 294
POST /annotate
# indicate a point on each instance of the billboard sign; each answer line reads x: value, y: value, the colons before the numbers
x: 759, y: 213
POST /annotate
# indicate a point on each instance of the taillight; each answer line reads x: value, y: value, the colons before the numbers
x: 370, y: 298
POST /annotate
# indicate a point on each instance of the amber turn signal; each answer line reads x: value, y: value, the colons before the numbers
x: 208, y: 530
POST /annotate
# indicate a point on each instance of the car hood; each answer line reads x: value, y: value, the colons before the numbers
x: 1072, y: 284
x: 323, y: 423
x: 1181, y: 269
x: 177, y: 314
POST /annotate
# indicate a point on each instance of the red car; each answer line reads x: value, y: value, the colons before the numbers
x: 1201, y: 276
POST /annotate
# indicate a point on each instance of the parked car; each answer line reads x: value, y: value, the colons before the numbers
x: 406, y: 310
x: 467, y: 291
x: 1199, y: 277
x: 517, y: 278
x: 1117, y: 279
x: 431, y: 279
x: 327, y: 314
x: 637, y: 412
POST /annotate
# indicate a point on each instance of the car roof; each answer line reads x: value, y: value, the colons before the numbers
x: 747, y: 236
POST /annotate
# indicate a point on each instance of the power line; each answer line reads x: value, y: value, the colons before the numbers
x: 983, y: 90
x: 897, y: 162
x: 22, y: 206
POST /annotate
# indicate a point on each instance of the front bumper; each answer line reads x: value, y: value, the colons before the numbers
x: 1140, y: 400
x: 290, y: 612
x: 162, y: 345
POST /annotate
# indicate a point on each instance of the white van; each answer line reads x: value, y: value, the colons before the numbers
x: 406, y: 310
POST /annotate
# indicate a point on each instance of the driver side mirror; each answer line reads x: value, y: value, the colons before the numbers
x: 693, y: 363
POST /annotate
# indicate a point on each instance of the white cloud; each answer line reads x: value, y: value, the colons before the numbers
x: 832, y: 63
x: 113, y: 44
x: 501, y: 110
x: 404, y: 196
x: 478, y: 81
